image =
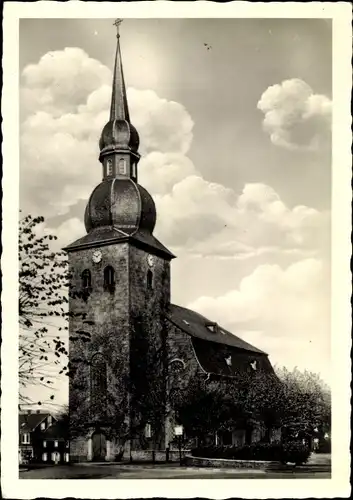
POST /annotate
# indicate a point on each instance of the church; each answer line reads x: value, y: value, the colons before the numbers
x: 126, y: 336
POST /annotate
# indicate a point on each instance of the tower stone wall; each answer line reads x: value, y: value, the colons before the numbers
x: 104, y: 315
x: 118, y: 330
x: 127, y: 326
x: 148, y: 301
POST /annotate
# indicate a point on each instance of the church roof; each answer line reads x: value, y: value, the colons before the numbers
x: 109, y: 235
x: 118, y: 132
x: 122, y: 204
x: 200, y: 327
x: 227, y: 360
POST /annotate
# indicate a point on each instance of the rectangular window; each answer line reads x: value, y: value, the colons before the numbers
x: 49, y: 420
x: 55, y: 444
x: 44, y: 444
x: 25, y: 438
x: 109, y: 167
x: 148, y: 431
x: 122, y: 166
x: 67, y: 457
x: 44, y: 457
x: 42, y: 426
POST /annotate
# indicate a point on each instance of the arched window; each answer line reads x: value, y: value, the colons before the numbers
x: 98, y: 383
x: 86, y: 280
x: 122, y: 166
x: 149, y: 280
x: 109, y: 279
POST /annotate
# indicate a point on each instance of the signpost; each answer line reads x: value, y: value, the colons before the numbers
x: 178, y: 431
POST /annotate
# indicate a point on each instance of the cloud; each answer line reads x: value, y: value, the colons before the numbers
x: 285, y: 312
x: 69, y: 231
x: 65, y: 102
x: 62, y: 80
x: 295, y: 117
x: 165, y: 126
x: 210, y: 219
x: 67, y: 97
x: 159, y: 172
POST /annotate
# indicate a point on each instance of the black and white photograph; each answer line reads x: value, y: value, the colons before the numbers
x: 176, y: 246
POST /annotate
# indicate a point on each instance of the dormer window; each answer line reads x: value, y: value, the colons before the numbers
x: 86, y: 280
x: 228, y: 360
x: 253, y: 365
x: 109, y: 279
x: 212, y: 327
x: 149, y: 280
x: 122, y: 166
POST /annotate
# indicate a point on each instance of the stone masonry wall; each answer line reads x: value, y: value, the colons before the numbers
x: 110, y: 332
x: 179, y: 345
x: 147, y: 351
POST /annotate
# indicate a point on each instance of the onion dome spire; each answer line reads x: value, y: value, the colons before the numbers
x: 119, y: 202
x: 119, y: 209
x: 119, y: 109
x: 119, y: 140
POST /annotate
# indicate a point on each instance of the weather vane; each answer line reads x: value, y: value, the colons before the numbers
x: 117, y: 23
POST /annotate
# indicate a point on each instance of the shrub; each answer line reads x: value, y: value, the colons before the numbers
x: 293, y: 452
x: 324, y: 446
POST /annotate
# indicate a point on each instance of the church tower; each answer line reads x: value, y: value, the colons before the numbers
x: 119, y: 290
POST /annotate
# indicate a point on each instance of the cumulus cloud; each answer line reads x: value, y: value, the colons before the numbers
x: 285, y: 312
x: 65, y: 99
x: 210, y: 219
x: 165, y: 126
x: 62, y: 80
x: 69, y: 231
x: 159, y: 172
x: 295, y: 117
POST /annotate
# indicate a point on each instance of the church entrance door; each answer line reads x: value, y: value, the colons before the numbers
x: 99, y: 447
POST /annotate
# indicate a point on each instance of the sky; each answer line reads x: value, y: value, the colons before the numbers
x: 234, y: 117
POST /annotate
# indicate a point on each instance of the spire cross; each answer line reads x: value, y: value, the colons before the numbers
x: 117, y: 23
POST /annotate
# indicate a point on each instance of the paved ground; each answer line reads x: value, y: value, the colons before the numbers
x: 316, y: 468
x: 320, y: 459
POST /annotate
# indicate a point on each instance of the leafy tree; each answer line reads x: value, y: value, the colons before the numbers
x: 307, y: 404
x: 297, y: 402
x: 199, y: 407
x: 43, y: 311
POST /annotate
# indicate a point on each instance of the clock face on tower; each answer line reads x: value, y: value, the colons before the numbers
x: 97, y: 256
x: 150, y: 260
